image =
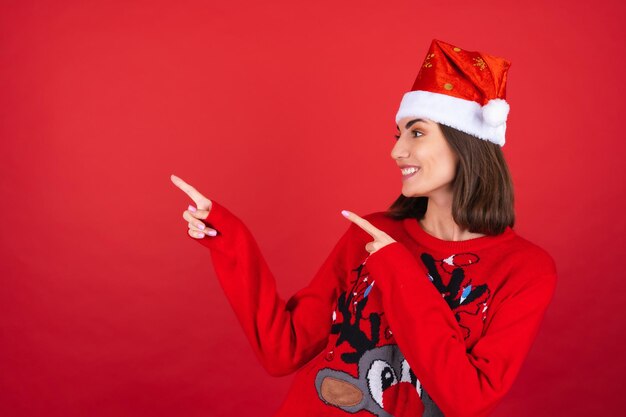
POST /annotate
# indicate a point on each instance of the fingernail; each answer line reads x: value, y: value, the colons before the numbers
x: 200, y: 234
x: 191, y: 208
x: 212, y: 233
x: 345, y: 213
x: 200, y: 226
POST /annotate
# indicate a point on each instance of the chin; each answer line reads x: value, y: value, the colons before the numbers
x: 408, y: 193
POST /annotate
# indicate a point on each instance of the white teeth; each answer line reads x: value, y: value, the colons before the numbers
x: 407, y: 171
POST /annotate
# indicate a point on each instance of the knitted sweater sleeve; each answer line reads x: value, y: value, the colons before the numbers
x: 284, y: 334
x: 463, y: 383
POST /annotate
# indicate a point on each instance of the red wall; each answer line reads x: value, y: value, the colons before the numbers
x: 282, y: 112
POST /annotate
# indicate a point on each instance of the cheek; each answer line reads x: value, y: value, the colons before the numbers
x: 448, y: 169
x: 439, y: 167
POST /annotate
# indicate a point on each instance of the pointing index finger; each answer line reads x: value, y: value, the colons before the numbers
x: 188, y: 189
x: 362, y: 223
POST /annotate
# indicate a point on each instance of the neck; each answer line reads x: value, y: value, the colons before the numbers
x: 438, y: 221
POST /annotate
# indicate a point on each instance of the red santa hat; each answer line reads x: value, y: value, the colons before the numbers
x: 462, y: 89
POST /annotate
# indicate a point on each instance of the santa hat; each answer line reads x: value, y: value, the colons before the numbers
x: 462, y: 89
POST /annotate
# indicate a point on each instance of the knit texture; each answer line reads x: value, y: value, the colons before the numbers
x: 421, y: 327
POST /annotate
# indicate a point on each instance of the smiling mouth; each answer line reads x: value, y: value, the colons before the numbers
x: 405, y: 176
x: 409, y: 169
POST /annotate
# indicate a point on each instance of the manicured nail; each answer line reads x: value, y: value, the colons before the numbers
x: 345, y: 213
x: 200, y: 234
x: 211, y: 233
x: 200, y: 226
x: 191, y: 208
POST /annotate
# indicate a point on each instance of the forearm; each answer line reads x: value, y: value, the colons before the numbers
x: 462, y: 383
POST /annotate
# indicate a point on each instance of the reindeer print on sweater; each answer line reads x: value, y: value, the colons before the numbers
x: 382, y: 371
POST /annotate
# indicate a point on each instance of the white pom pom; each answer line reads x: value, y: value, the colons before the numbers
x: 495, y: 111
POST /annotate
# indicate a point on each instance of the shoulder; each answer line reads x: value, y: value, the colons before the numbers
x: 535, y: 254
x: 531, y: 264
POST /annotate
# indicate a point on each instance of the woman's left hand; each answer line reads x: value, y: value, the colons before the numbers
x: 381, y: 239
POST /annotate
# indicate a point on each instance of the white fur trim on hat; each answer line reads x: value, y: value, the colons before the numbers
x: 485, y: 122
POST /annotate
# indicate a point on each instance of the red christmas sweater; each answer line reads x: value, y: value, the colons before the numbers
x: 421, y: 327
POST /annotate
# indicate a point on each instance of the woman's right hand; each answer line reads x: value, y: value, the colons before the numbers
x: 195, y: 215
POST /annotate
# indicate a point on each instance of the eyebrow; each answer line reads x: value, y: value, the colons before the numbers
x: 411, y: 123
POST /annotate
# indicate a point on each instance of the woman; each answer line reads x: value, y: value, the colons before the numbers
x: 426, y: 309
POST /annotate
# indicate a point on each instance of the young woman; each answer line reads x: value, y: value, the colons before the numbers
x: 426, y: 309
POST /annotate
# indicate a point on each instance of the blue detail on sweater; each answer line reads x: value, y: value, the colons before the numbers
x: 466, y: 292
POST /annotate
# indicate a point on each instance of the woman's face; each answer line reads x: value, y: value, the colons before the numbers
x: 421, y: 144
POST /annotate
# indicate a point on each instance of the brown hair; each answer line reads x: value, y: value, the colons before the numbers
x: 482, y: 187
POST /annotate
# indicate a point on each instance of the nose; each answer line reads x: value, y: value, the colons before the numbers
x: 399, y: 151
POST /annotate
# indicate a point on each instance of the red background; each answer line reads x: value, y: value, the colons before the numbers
x: 284, y: 113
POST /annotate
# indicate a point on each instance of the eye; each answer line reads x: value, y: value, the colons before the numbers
x: 409, y: 376
x: 412, y: 131
x: 380, y: 376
